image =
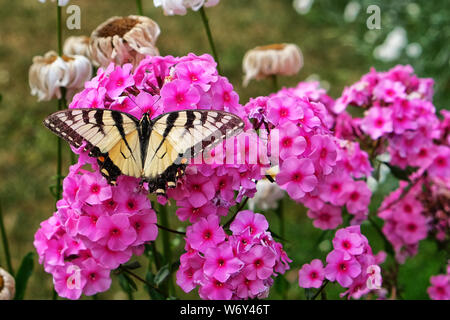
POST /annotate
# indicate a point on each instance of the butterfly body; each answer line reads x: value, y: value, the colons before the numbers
x: 154, y: 150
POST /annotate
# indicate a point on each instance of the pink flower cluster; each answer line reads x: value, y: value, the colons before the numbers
x: 237, y: 266
x: 399, y: 110
x: 351, y: 263
x: 96, y: 228
x: 440, y: 286
x: 316, y: 169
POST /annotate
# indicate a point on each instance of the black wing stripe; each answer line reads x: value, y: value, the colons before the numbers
x: 118, y: 120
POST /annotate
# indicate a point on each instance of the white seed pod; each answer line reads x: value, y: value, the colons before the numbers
x: 124, y: 40
x: 7, y: 285
x: 276, y: 59
x: 77, y: 46
x: 48, y: 74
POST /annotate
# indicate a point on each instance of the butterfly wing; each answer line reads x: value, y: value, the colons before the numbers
x: 179, y: 136
x: 109, y: 135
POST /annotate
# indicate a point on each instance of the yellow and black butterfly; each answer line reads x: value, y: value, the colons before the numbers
x: 155, y: 150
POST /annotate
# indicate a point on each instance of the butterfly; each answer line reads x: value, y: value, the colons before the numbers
x: 154, y: 150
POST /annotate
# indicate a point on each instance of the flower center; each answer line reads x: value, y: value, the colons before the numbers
x: 221, y: 262
x: 130, y: 204
x: 283, y: 112
x: 95, y: 188
x: 93, y: 276
x: 379, y: 123
x: 207, y: 234
x: 117, y: 27
x: 258, y: 263
x: 193, y: 77
x: 196, y: 187
x: 411, y: 227
x: 342, y: 266
x: 297, y: 177
x: 179, y: 98
x: 440, y: 161
x: 346, y: 245
x: 314, y: 275
x: 137, y: 225
x: 407, y: 208
x: 226, y: 97
x: 354, y: 196
x: 336, y: 187
x: 323, y: 153
x: 287, y: 142
x: 115, y: 232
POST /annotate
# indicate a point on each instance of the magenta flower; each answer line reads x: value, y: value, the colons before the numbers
x: 327, y: 217
x: 186, y: 211
x: 68, y: 281
x: 221, y: 262
x: 324, y: 152
x: 115, y: 231
x: 94, y: 189
x: 332, y: 188
x: 351, y: 243
x: 259, y: 262
x: 97, y: 278
x: 178, y: 94
x: 388, y: 90
x: 412, y: 228
x: 246, y: 288
x: 311, y: 275
x: 357, y: 196
x: 246, y: 220
x: 197, y: 73
x: 374, y: 277
x: 342, y: 268
x: 205, y: 233
x: 440, y: 287
x: 297, y: 177
x: 291, y: 142
x: 224, y: 95
x: 201, y: 190
x: 144, y: 223
x: 377, y: 122
x: 119, y: 80
x: 110, y: 258
x: 213, y: 289
x: 281, y: 109
x: 440, y: 166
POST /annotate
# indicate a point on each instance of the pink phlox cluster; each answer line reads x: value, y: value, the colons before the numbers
x: 96, y: 228
x: 440, y: 286
x: 229, y: 267
x: 351, y: 263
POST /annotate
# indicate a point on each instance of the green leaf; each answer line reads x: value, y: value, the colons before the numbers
x: 131, y: 265
x: 281, y: 285
x: 154, y: 294
x: 23, y: 275
x: 401, y: 174
x: 126, y: 283
x: 162, y: 275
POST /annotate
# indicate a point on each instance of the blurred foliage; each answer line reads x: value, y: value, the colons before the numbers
x: 427, y: 27
x: 334, y: 51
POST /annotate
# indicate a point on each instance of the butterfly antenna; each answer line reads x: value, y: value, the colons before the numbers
x: 140, y: 107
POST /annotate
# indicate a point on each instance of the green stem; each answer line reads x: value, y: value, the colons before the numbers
x: 5, y: 243
x: 324, y: 284
x: 166, y: 241
x: 280, y: 212
x: 210, y: 38
x: 59, y: 28
x: 139, y: 7
x: 275, y: 82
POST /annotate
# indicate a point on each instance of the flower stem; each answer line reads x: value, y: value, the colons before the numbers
x: 324, y: 284
x: 275, y: 82
x: 139, y: 7
x: 170, y: 230
x: 5, y: 243
x: 58, y: 28
x: 210, y: 38
x: 241, y: 206
x: 166, y: 241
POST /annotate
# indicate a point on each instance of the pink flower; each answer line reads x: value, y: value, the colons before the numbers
x: 144, y: 223
x: 297, y: 177
x: 187, y: 211
x: 110, y: 259
x: 291, y: 142
x: 259, y: 262
x: 281, y: 109
x: 351, y: 243
x: 324, y: 152
x: 201, y: 190
x: 224, y: 96
x: 311, y: 275
x: 94, y: 189
x: 332, y: 188
x: 205, y: 233
x: 388, y: 90
x: 411, y: 228
x: 178, y: 95
x: 116, y: 231
x: 341, y: 268
x: 220, y: 262
x: 357, y: 196
x: 440, y: 166
x: 97, y: 277
x: 327, y: 217
x: 197, y: 73
x: 440, y: 287
x: 213, y: 289
x: 68, y: 281
x: 246, y: 288
x: 246, y: 220
x: 119, y: 80
x: 374, y: 277
x: 377, y: 122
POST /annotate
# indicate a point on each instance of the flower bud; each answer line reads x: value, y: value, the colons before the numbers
x: 124, y: 40
x: 276, y: 59
x: 7, y: 285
